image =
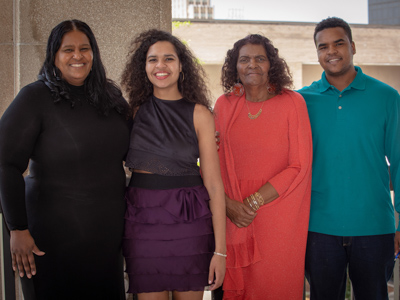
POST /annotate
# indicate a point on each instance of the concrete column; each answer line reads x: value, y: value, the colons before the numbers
x: 26, y: 24
x: 7, y: 53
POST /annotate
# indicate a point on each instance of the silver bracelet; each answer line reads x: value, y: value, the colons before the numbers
x: 220, y: 254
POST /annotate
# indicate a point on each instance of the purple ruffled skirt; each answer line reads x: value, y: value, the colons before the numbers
x: 168, y: 241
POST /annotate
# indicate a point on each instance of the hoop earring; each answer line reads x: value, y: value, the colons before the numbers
x: 182, y: 79
x: 238, y: 89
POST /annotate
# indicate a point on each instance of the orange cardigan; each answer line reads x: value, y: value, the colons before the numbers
x: 242, y: 247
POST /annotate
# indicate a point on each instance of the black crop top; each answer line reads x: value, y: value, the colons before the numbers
x: 163, y: 138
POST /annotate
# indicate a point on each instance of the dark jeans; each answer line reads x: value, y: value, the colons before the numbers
x: 369, y: 260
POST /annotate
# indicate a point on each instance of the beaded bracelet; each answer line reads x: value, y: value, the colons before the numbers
x: 220, y: 254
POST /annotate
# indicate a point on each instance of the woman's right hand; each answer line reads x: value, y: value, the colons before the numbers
x: 238, y: 213
x: 22, y: 248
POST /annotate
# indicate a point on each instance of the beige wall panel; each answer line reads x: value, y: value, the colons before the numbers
x: 376, y: 46
x: 6, y: 17
x: 296, y: 69
x: 7, y: 54
x: 387, y: 74
x: 210, y: 41
x: 311, y: 73
x: 214, y: 81
x: 6, y: 76
x: 31, y: 59
x: 379, y: 45
x: 165, y: 15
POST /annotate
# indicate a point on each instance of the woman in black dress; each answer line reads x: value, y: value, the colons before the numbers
x: 66, y: 217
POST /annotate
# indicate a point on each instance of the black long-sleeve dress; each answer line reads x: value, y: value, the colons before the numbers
x: 72, y: 201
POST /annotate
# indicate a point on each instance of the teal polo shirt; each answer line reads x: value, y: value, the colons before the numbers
x: 354, y: 131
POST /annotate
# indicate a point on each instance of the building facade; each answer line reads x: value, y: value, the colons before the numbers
x: 377, y: 48
x: 384, y: 12
x: 192, y: 9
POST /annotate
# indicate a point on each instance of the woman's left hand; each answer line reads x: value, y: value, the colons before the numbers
x: 217, y: 267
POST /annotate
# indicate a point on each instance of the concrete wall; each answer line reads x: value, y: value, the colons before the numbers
x: 377, y: 48
x: 26, y: 25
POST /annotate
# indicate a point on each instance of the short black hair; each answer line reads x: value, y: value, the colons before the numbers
x: 333, y: 22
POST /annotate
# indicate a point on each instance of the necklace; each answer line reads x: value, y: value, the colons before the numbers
x: 253, y: 117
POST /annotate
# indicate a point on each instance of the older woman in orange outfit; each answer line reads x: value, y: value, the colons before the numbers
x: 266, y: 155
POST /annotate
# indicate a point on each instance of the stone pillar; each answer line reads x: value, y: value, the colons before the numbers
x: 26, y: 25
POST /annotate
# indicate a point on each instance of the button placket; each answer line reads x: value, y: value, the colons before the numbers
x: 340, y: 107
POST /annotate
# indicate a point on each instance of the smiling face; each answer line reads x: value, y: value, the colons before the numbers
x: 163, y: 68
x: 74, y: 58
x: 253, y: 65
x: 335, y: 51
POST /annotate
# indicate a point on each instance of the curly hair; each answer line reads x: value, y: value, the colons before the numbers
x: 333, y: 22
x: 278, y: 74
x: 102, y: 93
x: 136, y: 83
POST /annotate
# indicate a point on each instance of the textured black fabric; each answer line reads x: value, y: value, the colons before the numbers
x: 161, y: 182
x: 72, y: 201
x: 163, y: 138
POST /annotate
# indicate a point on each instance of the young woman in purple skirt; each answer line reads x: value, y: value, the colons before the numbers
x: 175, y: 221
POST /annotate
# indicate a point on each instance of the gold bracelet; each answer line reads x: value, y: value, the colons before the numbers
x: 260, y: 198
x: 248, y: 201
x: 255, y: 202
x: 220, y: 254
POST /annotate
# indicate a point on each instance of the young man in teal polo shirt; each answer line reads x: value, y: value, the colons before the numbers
x: 355, y: 122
